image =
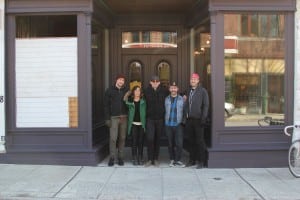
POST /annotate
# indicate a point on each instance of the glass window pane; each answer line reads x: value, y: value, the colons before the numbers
x: 135, y: 37
x: 166, y: 37
x: 164, y: 73
x: 46, y: 72
x: 264, y: 28
x: 46, y: 26
x: 244, y: 25
x: 149, y: 39
x: 146, y: 36
x: 254, y: 69
x: 274, y: 28
x: 254, y: 25
x: 135, y: 74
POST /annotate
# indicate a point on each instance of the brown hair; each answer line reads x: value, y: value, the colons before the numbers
x: 134, y: 88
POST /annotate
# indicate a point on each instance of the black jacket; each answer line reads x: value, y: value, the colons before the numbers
x: 155, y: 102
x: 199, y: 106
x: 113, y: 102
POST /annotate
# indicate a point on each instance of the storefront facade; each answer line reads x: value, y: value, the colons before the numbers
x: 61, y: 56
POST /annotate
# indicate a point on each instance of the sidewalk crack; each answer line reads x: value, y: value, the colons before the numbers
x: 200, y: 183
x: 250, y: 185
x: 72, y: 178
x: 105, y: 185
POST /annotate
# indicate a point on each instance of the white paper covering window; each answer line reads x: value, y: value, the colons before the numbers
x: 46, y: 82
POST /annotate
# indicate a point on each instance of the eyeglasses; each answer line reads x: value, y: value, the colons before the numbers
x: 155, y: 81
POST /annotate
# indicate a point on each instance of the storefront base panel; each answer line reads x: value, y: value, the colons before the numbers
x: 81, y: 158
x: 248, y: 159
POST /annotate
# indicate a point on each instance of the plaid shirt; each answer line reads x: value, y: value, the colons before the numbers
x: 173, y: 113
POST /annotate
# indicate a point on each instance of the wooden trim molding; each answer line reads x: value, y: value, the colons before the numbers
x: 37, y: 6
x: 245, y: 5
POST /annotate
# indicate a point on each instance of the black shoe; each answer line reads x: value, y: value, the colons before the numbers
x: 190, y: 163
x: 121, y: 162
x: 141, y: 162
x: 200, y: 165
x: 111, y: 162
x: 135, y: 162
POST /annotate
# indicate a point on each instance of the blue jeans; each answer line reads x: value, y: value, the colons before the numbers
x: 175, y: 139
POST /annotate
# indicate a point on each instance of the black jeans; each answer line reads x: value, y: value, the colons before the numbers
x: 175, y: 139
x: 154, y: 130
x: 195, y: 131
x: 137, y: 133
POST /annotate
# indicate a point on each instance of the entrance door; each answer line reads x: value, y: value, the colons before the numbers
x: 142, y: 67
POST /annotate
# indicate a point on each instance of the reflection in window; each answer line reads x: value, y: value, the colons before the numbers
x: 262, y: 25
x: 135, y: 74
x: 146, y: 36
x: 254, y: 68
x: 164, y: 73
x: 135, y: 37
x: 46, y: 71
x: 149, y: 39
x: 46, y: 26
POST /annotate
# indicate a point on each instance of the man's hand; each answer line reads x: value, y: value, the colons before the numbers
x: 127, y: 94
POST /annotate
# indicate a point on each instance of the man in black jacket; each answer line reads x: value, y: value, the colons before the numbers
x: 196, y: 107
x: 115, y: 112
x: 155, y: 96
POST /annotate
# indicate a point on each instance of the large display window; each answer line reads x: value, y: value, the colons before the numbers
x: 254, y: 68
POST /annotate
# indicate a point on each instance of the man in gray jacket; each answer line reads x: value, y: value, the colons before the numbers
x: 196, y: 106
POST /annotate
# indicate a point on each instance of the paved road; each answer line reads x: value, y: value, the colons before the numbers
x: 139, y: 183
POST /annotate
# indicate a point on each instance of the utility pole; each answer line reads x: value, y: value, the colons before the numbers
x: 2, y: 81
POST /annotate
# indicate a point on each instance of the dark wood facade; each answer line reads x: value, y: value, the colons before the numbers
x: 88, y: 144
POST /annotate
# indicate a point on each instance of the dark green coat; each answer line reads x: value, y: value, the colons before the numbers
x: 131, y: 111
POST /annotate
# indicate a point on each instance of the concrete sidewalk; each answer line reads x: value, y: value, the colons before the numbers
x: 152, y: 183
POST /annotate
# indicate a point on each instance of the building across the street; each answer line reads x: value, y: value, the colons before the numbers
x: 60, y: 56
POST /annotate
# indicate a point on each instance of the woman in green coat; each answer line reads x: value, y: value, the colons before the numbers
x: 136, y: 122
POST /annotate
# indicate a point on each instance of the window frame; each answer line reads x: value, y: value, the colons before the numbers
x: 82, y: 54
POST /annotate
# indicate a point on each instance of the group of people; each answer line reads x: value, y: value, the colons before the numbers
x: 145, y: 114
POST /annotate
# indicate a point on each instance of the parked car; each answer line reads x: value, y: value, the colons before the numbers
x: 229, y: 109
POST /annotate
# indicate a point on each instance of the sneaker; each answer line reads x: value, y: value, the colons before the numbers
x: 156, y: 163
x: 140, y: 162
x: 135, y: 162
x: 172, y: 163
x: 120, y: 162
x: 179, y: 164
x: 190, y: 163
x: 148, y: 163
x: 111, y: 162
